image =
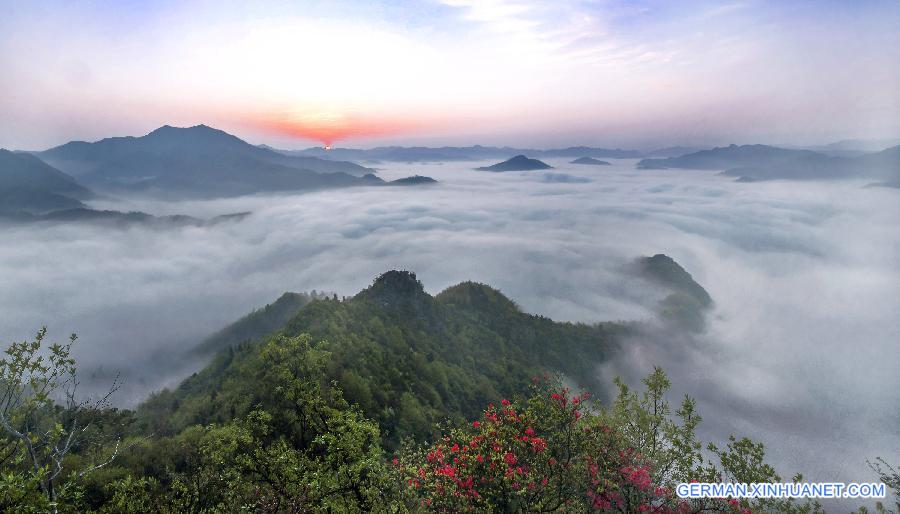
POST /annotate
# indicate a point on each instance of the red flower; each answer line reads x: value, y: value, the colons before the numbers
x: 504, y: 401
x: 510, y: 459
x: 476, y: 424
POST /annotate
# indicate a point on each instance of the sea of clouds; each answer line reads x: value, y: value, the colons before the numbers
x: 800, y: 352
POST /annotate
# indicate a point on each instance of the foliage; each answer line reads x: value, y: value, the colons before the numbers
x: 282, y: 426
x: 549, y: 453
x: 39, y: 435
x: 407, y: 359
x: 890, y: 477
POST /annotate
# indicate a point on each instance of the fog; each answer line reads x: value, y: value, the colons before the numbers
x: 801, y: 347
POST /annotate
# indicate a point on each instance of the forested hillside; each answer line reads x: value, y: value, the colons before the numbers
x: 393, y: 400
x: 407, y: 359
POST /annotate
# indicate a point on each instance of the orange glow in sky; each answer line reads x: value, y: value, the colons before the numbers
x: 330, y: 127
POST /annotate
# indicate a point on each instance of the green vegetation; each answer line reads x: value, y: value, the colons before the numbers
x: 390, y: 401
x: 407, y: 359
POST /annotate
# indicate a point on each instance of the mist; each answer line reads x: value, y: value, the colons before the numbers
x: 800, y: 349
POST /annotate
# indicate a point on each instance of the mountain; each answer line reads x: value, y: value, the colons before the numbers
x: 517, y: 163
x: 407, y: 358
x: 29, y: 185
x: 686, y: 302
x: 672, y: 151
x: 412, y: 181
x: 197, y: 161
x: 575, y: 151
x: 456, y: 153
x: 117, y: 218
x: 761, y: 162
x: 854, y: 147
x: 590, y: 161
x: 257, y: 324
x: 883, y: 165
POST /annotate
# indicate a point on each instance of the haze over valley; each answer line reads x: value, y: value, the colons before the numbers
x: 560, y: 243
x: 449, y: 256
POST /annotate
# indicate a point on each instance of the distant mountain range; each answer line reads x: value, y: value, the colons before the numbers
x: 590, y: 161
x: 517, y: 163
x: 118, y: 218
x: 177, y: 163
x: 762, y: 162
x: 853, y: 147
x: 414, y: 180
x: 203, y: 162
x: 455, y: 153
x: 198, y: 161
x: 29, y: 185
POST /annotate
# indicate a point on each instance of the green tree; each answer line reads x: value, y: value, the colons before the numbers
x: 42, y: 420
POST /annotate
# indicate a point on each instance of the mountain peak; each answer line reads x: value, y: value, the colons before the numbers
x: 664, y: 270
x: 397, y: 288
x: 517, y: 163
x: 169, y: 130
x: 401, y: 281
x: 477, y: 297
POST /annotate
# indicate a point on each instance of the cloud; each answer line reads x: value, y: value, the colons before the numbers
x: 494, y: 72
x: 800, y: 350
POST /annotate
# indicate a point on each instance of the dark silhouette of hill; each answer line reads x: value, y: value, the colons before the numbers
x: 575, y: 151
x: 197, y: 161
x: 671, y: 151
x: 413, y: 181
x: 883, y: 165
x: 30, y: 185
x: 457, y: 153
x: 762, y: 162
x: 517, y: 163
x: 686, y: 302
x: 116, y: 218
x: 590, y: 161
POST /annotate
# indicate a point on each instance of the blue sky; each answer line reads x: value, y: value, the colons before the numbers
x: 626, y: 73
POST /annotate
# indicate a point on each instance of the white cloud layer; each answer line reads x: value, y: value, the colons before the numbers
x: 801, y: 348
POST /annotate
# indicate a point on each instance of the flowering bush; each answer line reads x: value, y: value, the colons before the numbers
x: 546, y: 453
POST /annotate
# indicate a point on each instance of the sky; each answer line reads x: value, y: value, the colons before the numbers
x: 637, y: 73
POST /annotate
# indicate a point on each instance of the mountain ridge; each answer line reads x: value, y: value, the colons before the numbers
x: 763, y: 162
x: 32, y: 186
x: 409, y: 359
x: 517, y: 163
x: 197, y: 161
